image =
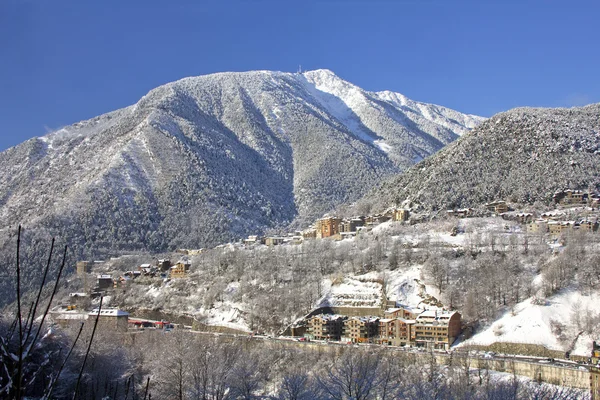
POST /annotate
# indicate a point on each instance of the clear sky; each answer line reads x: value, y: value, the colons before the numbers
x: 66, y: 61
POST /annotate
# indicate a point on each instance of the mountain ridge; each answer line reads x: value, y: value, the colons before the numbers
x: 205, y: 159
x: 522, y: 155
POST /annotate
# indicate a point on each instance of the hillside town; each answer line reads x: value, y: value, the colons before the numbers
x: 376, y: 321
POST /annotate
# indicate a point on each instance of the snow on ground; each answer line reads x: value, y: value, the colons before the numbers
x: 352, y: 291
x: 550, y: 322
x: 405, y: 287
x: 383, y: 145
x: 225, y: 314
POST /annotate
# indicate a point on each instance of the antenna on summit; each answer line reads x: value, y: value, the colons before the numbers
x: 300, y: 68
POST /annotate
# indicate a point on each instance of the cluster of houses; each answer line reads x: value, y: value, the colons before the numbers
x: 435, y: 329
x: 556, y: 226
x: 332, y: 227
x: 553, y: 223
x: 577, y: 198
x: 162, y: 268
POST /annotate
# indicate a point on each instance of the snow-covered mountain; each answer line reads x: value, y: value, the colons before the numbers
x: 523, y: 156
x: 205, y: 159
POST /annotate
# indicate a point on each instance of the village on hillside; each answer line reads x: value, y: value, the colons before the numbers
x: 388, y: 322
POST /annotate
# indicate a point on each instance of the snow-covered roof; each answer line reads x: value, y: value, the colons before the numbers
x: 393, y: 310
x: 104, y: 277
x: 435, y: 314
x: 145, y: 266
x: 428, y: 314
x: 330, y: 317
x: 71, y: 316
x: 365, y: 319
x: 110, y: 312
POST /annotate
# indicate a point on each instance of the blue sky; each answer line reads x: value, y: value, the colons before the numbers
x: 65, y: 61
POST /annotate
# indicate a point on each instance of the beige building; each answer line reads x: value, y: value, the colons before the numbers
x: 180, y: 270
x: 309, y: 234
x: 400, y: 214
x: 595, y: 382
x: 111, y: 318
x: 538, y: 226
x: 274, y: 240
x: 556, y: 228
x: 328, y: 227
x: 497, y: 207
x: 571, y: 197
x: 396, y: 331
x: 326, y: 326
x: 360, y: 329
x: 351, y: 225
x: 437, y: 329
x: 524, y: 218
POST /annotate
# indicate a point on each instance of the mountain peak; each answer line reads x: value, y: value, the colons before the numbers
x: 206, y: 159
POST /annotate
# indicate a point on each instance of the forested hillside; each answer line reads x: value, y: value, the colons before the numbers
x: 521, y: 156
x: 207, y: 159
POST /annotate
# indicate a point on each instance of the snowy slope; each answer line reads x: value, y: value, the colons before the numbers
x: 551, y: 322
x: 522, y: 156
x: 241, y: 151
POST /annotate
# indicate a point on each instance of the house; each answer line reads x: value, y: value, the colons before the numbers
x: 253, y: 240
x: 180, y: 270
x: 274, y: 240
x: 326, y: 326
x: 497, y: 207
x: 68, y: 316
x: 146, y: 269
x: 396, y: 331
x: 83, y: 267
x: 556, y: 228
x: 460, y: 212
x: 402, y: 312
x: 374, y: 220
x: 78, y: 299
x: 387, y: 331
x: 400, y: 214
x: 310, y: 233
x: 538, y: 226
x: 571, y: 197
x: 327, y: 227
x: 595, y: 352
x: 164, y: 264
x: 111, y: 318
x: 524, y: 218
x: 437, y: 329
x: 104, y: 282
x: 351, y: 225
x: 587, y: 225
x: 552, y: 215
x: 360, y: 329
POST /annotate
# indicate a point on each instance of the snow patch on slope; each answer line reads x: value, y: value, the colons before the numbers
x: 550, y: 322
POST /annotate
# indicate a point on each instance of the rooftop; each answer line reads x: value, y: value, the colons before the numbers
x: 110, y: 312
